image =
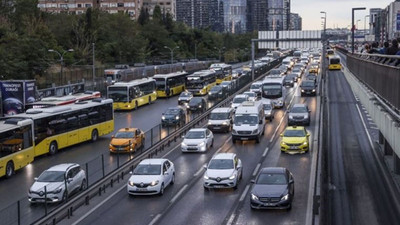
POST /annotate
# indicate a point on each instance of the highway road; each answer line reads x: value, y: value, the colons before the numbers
x: 186, y: 202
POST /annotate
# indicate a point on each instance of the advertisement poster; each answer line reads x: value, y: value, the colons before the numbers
x: 12, y: 95
x: 398, y: 21
x: 29, y: 92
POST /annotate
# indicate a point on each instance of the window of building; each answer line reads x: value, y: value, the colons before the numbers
x: 79, y: 6
x: 71, y: 6
x: 64, y: 6
x: 113, y: 4
x: 104, y: 5
x: 120, y: 4
x: 41, y: 5
x: 88, y: 5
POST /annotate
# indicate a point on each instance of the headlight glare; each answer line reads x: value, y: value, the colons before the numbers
x: 154, y: 183
x: 284, y: 198
x: 254, y: 197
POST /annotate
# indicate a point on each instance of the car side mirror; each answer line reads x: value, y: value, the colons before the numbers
x: 205, y: 166
x: 69, y: 180
x: 291, y: 181
x: 308, y: 135
x: 281, y: 135
x: 252, y: 181
x: 36, y: 178
x: 309, y: 110
x: 166, y: 173
x: 238, y: 167
x: 130, y: 172
x: 183, y: 136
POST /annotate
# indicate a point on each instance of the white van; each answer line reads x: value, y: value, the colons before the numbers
x: 249, y: 122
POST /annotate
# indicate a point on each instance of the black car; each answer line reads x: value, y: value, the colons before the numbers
x: 293, y: 76
x: 312, y: 77
x: 197, y: 104
x: 184, y: 97
x: 173, y: 116
x: 273, y: 188
x: 308, y: 87
x: 217, y: 92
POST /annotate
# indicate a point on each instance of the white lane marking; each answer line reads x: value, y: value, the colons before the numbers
x: 265, y: 152
x: 99, y: 205
x: 277, y: 128
x: 369, y: 118
x: 244, y: 193
x: 198, y: 172
x: 256, y: 169
x: 374, y: 128
x: 231, y: 218
x: 155, y: 219
x: 229, y: 139
x: 178, y: 194
x: 365, y: 127
x: 171, y: 151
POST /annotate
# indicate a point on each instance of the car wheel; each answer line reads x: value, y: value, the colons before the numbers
x: 173, y: 179
x: 162, y: 189
x: 95, y: 135
x: 83, y: 185
x: 258, y: 139
x: 64, y: 197
x: 233, y: 141
x: 206, y: 188
x: 53, y: 148
x: 136, y: 105
x: 212, y: 143
x: 236, y: 185
x: 149, y: 100
x: 290, y: 207
x: 9, y: 169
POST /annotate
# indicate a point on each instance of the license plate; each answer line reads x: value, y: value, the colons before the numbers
x: 192, y: 149
x: 245, y: 139
x: 142, y: 189
x: 216, y: 128
x: 219, y: 186
x: 293, y: 147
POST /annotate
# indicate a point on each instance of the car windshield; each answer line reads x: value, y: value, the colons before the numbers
x: 294, y: 133
x: 250, y: 94
x: 195, y: 135
x: 125, y: 134
x: 246, y: 119
x: 195, y: 100
x: 298, y: 110
x: 296, y: 70
x: 272, y: 178
x: 216, y: 89
x: 143, y: 169
x: 311, y: 77
x: 51, y: 176
x: 255, y: 86
x: 308, y: 84
x: 267, y: 106
x: 220, y: 164
x: 172, y: 111
x: 185, y: 94
x: 225, y: 83
x: 239, y: 100
x: 219, y: 116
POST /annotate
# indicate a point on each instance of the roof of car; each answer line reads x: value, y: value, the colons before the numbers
x: 273, y: 170
x: 61, y: 167
x: 174, y: 107
x: 198, y: 129
x: 224, y: 156
x: 240, y: 96
x: 221, y: 110
x: 127, y: 129
x: 152, y: 161
x: 298, y: 105
x: 294, y: 128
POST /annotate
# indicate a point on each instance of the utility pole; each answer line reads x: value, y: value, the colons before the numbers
x: 93, y: 67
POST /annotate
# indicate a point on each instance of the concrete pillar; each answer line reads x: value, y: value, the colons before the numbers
x: 396, y: 164
x: 381, y: 138
x: 387, y: 149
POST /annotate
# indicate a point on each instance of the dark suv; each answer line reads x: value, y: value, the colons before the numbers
x: 197, y: 104
x: 173, y: 116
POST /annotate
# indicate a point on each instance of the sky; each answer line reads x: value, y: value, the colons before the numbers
x: 338, y: 12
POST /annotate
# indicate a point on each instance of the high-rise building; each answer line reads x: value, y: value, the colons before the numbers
x: 234, y: 16
x: 393, y: 20
x: 201, y: 13
x: 167, y: 6
x: 295, y: 22
x: 257, y: 15
x: 132, y: 7
x: 268, y: 15
x: 375, y: 18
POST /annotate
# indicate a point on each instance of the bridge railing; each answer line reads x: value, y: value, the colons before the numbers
x: 381, y: 73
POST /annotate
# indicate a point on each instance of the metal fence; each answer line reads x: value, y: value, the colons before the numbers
x: 381, y: 73
x: 101, y: 167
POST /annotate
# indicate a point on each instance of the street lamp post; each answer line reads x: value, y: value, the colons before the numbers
x: 352, y: 26
x: 324, y: 22
x: 61, y: 59
x: 219, y: 52
x: 324, y: 40
x: 172, y: 54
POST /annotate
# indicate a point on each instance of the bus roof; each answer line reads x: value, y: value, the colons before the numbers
x: 201, y: 73
x: 273, y: 79
x: 133, y: 82
x: 8, y: 123
x: 77, y: 96
x: 44, y: 112
x: 222, y: 65
x: 168, y: 75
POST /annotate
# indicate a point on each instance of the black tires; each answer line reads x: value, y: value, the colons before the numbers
x: 10, y: 169
x: 95, y: 135
x: 53, y: 148
x: 83, y: 185
x: 162, y: 189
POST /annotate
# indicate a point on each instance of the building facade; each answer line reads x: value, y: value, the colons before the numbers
x: 167, y: 6
x: 268, y: 15
x: 257, y: 15
x: 201, y: 13
x: 295, y: 22
x: 234, y: 16
x: 393, y: 20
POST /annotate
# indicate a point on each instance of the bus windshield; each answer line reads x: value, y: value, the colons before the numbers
x: 272, y: 90
x: 160, y: 83
x: 118, y: 94
x: 334, y: 61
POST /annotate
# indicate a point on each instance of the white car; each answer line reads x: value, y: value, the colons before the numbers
x: 238, y: 99
x: 251, y: 96
x: 223, y: 171
x: 197, y: 140
x: 50, y: 185
x: 151, y: 177
x: 268, y: 109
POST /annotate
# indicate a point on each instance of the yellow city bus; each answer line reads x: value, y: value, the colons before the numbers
x: 16, y: 144
x: 131, y: 95
x: 200, y: 83
x: 174, y: 81
x: 46, y: 130
x: 223, y: 71
x: 334, y: 63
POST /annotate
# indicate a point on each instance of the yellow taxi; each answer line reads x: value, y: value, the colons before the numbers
x: 127, y: 140
x: 295, y: 140
x: 313, y: 68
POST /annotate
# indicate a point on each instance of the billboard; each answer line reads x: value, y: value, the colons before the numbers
x: 15, y: 94
x: 398, y: 21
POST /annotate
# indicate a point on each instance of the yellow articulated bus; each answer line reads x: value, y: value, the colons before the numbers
x: 46, y: 130
x: 223, y: 72
x: 175, y: 82
x: 131, y: 95
x: 200, y: 83
x: 334, y: 63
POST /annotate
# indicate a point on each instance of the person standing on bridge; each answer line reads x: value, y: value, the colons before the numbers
x: 394, y: 48
x: 374, y: 48
x: 383, y: 50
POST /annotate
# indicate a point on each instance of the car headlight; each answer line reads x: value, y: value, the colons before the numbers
x: 302, y: 90
x: 232, y: 177
x: 313, y: 90
x: 183, y: 144
x: 305, y: 143
x: 283, y: 143
x: 177, y: 117
x: 234, y: 131
x: 201, y: 144
x: 57, y: 191
x: 206, y: 177
x: 291, y: 81
x: 306, y: 117
x: 255, y: 131
x: 187, y: 106
x: 225, y: 123
x: 290, y: 117
x: 254, y: 197
x: 284, y: 198
x: 131, y: 183
x: 209, y: 123
x: 154, y: 183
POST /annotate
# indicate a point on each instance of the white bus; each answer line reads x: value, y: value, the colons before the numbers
x: 274, y: 90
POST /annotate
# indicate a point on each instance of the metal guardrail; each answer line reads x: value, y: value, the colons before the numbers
x: 67, y: 209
